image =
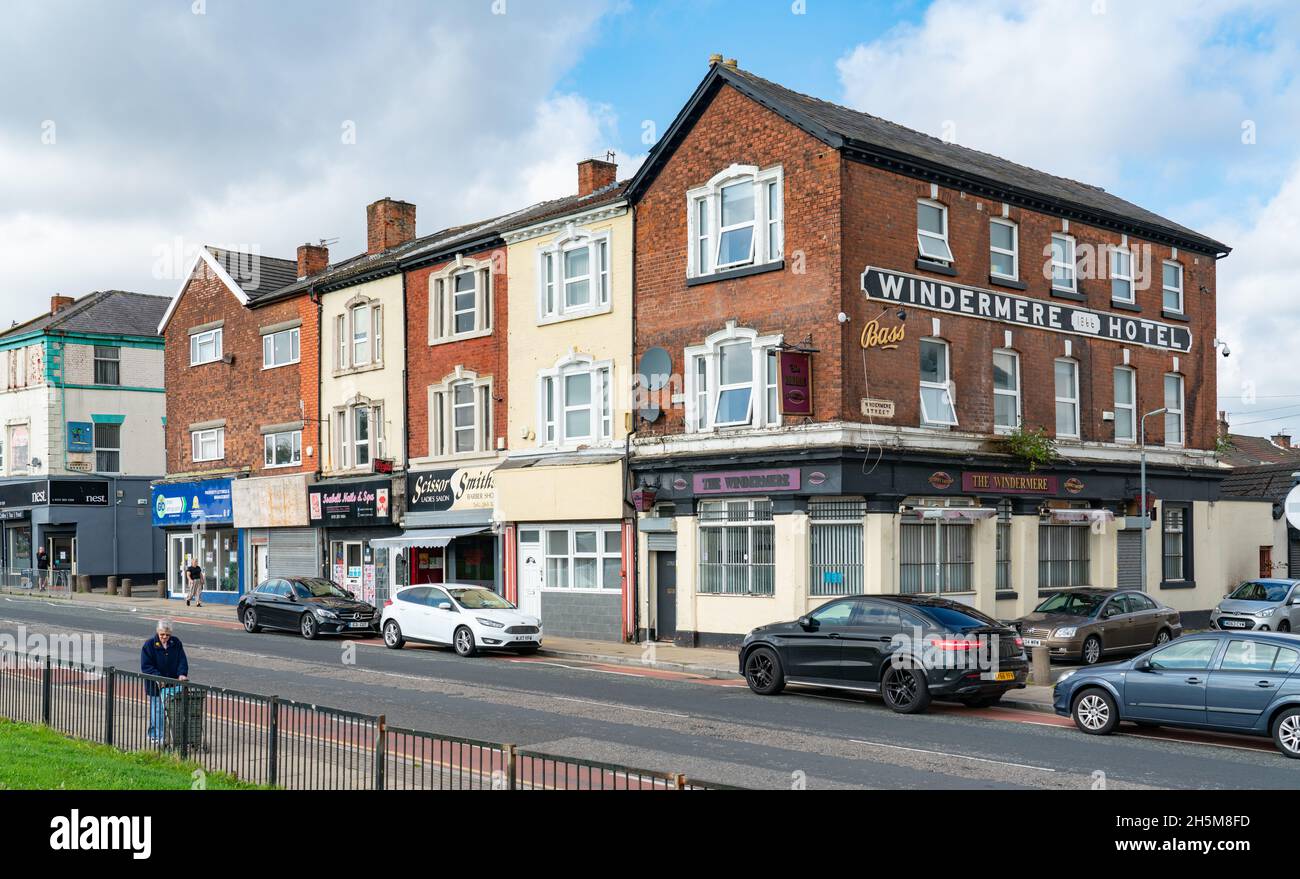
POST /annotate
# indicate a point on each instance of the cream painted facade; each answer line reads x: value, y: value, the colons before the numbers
x: 352, y: 378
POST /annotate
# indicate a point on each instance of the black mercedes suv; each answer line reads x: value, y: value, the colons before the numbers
x: 906, y: 649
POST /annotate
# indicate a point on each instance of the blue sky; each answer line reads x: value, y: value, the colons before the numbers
x: 132, y: 133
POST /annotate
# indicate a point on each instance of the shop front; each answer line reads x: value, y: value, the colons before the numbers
x: 197, y: 518
x: 760, y: 544
x: 569, y: 542
x: 271, y: 514
x: 351, y: 516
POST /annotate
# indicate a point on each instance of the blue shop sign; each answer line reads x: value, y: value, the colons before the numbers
x: 188, y: 503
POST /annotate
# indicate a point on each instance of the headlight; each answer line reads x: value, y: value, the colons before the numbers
x: 1067, y: 632
x: 491, y: 624
x: 1267, y: 612
x: 325, y: 614
x: 1065, y: 675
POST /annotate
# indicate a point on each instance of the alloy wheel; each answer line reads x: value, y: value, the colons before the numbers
x: 308, y: 626
x: 760, y: 670
x: 390, y: 634
x: 464, y: 641
x: 1093, y: 712
x: 1091, y: 651
x: 900, y: 687
x: 1163, y: 638
x: 250, y: 620
x: 1288, y: 733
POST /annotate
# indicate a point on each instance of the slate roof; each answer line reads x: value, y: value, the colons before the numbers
x: 903, y: 149
x: 1251, y: 451
x: 1269, y: 482
x: 256, y: 275
x: 107, y: 312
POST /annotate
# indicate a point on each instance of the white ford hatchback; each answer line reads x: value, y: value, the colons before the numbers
x: 468, y: 618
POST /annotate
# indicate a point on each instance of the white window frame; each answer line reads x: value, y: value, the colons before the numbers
x: 1175, y: 413
x: 601, y: 555
x: 1014, y: 252
x: 268, y: 348
x: 442, y: 415
x: 349, y: 335
x: 198, y: 340
x: 1124, y: 277
x: 1069, y: 401
x: 552, y: 405
x: 442, y: 300
x: 552, y: 282
x: 941, y: 238
x: 1165, y: 289
x: 1130, y: 376
x: 269, y: 449
x: 1069, y: 262
x: 758, y: 514
x: 947, y: 386
x: 346, y: 445
x: 1002, y: 392
x: 704, y: 218
x: 702, y: 380
x: 114, y: 449
x: 199, y: 437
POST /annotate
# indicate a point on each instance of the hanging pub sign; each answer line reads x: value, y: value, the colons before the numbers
x: 884, y: 285
x: 795, y: 371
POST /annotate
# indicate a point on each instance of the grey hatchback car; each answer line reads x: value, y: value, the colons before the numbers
x: 1260, y: 605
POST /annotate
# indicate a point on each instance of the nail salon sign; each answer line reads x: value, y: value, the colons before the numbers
x: 918, y: 292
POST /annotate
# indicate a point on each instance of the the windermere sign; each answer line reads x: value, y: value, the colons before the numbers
x: 913, y: 290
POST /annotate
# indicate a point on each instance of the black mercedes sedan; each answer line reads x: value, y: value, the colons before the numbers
x: 907, y: 649
x: 311, y: 606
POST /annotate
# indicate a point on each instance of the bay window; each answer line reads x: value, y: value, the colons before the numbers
x: 1067, y: 398
x: 736, y: 220
x: 731, y: 381
x: 936, y: 384
x: 573, y: 276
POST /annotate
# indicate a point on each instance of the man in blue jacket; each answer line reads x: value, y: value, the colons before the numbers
x: 162, y: 655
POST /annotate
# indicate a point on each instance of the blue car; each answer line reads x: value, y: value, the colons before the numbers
x: 1237, y: 682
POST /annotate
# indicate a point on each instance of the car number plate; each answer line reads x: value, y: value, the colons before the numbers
x: 358, y: 625
x: 1033, y: 642
x: 1232, y: 624
x: 1005, y: 676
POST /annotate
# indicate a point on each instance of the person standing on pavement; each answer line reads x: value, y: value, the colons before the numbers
x: 162, y: 655
x: 194, y: 583
x: 42, y: 566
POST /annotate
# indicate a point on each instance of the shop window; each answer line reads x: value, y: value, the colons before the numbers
x: 1172, y: 286
x: 1004, y: 249
x: 584, y: 557
x: 737, y: 539
x: 731, y: 381
x: 937, y: 390
x: 218, y: 556
x: 1174, y: 410
x: 475, y: 559
x: 108, y: 363
x: 1006, y: 391
x: 1125, y: 404
x: 1175, y: 542
x: 573, y: 276
x: 108, y: 448
x: 932, y: 231
x: 836, y: 547
x: 735, y: 220
x: 1067, y: 398
x: 935, y: 555
x: 1064, y: 272
x: 1062, y: 554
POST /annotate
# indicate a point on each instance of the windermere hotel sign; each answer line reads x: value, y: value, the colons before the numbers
x: 913, y: 290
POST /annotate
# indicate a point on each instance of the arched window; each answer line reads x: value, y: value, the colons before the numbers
x: 736, y: 220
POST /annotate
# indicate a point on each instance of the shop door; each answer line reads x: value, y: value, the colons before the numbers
x: 353, y: 567
x: 1265, y: 562
x: 530, y: 571
x: 665, y: 596
x: 63, y: 554
x: 261, y: 554
x: 181, y: 556
x: 427, y: 564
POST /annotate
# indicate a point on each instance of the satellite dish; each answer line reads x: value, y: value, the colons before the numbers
x: 656, y: 371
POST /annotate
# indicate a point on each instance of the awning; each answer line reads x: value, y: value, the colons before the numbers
x: 1081, y: 515
x: 969, y: 514
x: 437, y: 537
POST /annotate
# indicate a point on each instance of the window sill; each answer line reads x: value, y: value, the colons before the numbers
x: 1010, y: 283
x: 280, y: 466
x: 1177, y: 584
x: 1068, y: 294
x: 451, y: 340
x: 1175, y: 315
x: 1125, y: 306
x: 937, y: 268
x: 280, y: 365
x: 205, y: 362
x: 742, y: 272
x: 574, y: 315
x: 356, y: 370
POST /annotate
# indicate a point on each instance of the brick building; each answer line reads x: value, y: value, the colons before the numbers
x: 865, y: 327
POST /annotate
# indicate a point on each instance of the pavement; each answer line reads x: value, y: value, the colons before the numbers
x: 699, y: 661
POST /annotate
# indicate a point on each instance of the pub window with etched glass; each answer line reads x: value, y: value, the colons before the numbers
x: 737, y: 541
x: 936, y: 552
x: 836, y: 547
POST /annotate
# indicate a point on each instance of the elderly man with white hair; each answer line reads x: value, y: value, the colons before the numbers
x: 162, y: 655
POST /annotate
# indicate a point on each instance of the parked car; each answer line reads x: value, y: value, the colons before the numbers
x: 1263, y: 605
x: 907, y: 649
x: 1223, y: 681
x: 468, y: 618
x: 1086, y: 624
x: 311, y: 606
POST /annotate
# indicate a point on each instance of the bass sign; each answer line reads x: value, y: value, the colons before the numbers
x: 916, y: 291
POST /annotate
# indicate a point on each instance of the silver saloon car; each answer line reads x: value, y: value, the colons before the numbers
x: 1260, y: 605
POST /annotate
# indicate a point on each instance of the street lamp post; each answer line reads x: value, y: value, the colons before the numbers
x: 1142, y: 500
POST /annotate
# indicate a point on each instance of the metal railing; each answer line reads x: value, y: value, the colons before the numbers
x: 282, y: 743
x: 36, y: 580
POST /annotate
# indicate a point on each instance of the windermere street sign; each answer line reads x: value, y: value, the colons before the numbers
x: 919, y: 292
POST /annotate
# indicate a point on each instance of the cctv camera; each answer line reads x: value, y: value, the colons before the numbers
x: 843, y: 318
x: 902, y: 314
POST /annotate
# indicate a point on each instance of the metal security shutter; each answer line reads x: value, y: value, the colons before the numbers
x: 1292, y: 551
x: 1129, y: 572
x: 293, y: 553
x: 661, y: 542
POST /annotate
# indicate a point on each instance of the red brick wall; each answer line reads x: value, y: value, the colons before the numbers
x: 802, y: 299
x: 242, y: 393
x: 429, y: 364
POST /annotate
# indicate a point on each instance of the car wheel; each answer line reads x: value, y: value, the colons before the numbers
x: 308, y: 626
x: 1286, y: 732
x: 1284, y: 626
x: 1091, y: 654
x: 1095, y: 712
x: 763, y: 672
x: 249, y: 619
x: 1162, y: 638
x: 905, y: 690
x: 463, y: 641
x: 393, y: 639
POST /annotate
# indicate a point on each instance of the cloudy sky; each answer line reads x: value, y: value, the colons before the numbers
x: 131, y: 132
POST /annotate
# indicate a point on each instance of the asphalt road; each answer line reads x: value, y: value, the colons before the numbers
x: 714, y: 730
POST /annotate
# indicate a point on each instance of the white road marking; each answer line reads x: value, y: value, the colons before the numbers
x: 954, y: 756
x: 620, y: 707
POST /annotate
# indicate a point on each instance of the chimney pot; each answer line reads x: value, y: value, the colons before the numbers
x: 715, y: 58
x: 594, y: 174
x: 312, y: 258
x: 388, y: 224
x: 58, y: 303
x: 1282, y: 439
x: 730, y: 62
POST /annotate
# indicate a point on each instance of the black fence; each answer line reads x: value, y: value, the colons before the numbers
x: 282, y: 743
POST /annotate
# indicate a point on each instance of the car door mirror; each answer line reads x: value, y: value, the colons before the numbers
x: 1143, y: 664
x: 291, y: 595
x: 807, y: 622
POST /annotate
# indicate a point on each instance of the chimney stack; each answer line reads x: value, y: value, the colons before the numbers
x: 388, y: 224
x: 1223, y: 424
x: 1281, y: 439
x: 312, y: 258
x: 595, y: 174
x: 58, y: 303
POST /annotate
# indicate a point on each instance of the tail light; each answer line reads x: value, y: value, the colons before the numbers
x: 956, y: 643
x: 388, y: 602
x: 1020, y: 642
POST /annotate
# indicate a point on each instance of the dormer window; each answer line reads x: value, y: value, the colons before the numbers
x: 736, y: 220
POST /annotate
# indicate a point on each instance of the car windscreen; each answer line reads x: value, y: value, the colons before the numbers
x: 1079, y: 604
x: 480, y: 599
x: 317, y: 588
x: 956, y: 619
x: 1253, y: 591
